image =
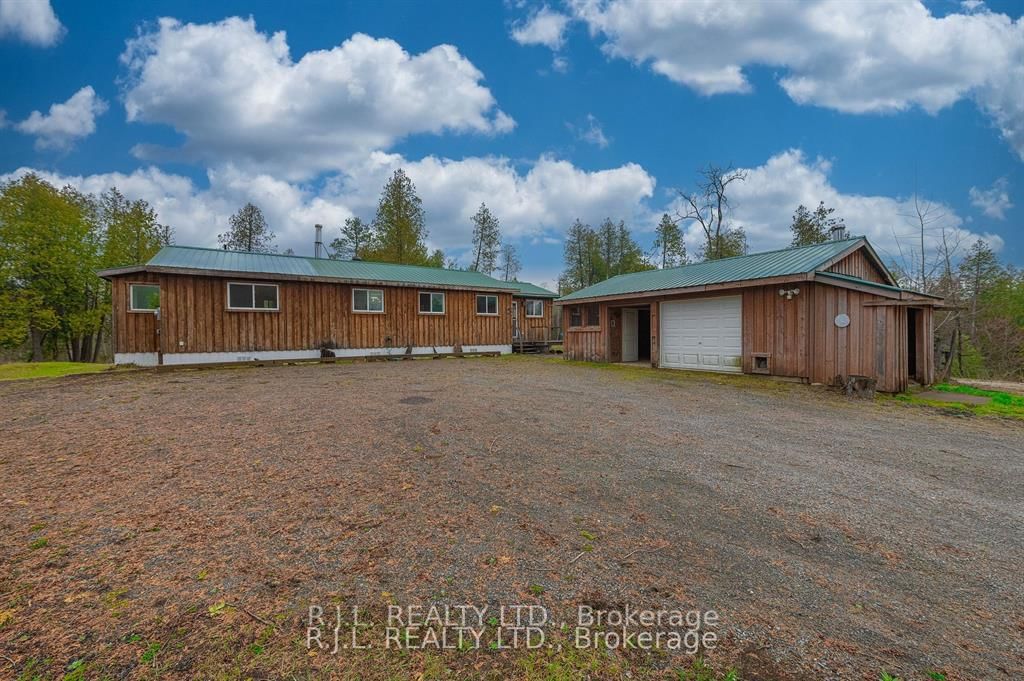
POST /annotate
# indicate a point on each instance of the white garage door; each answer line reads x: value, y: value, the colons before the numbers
x: 706, y: 334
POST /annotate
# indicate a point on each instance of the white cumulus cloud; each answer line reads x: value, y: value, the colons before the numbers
x: 238, y: 96
x: 541, y: 201
x: 764, y: 204
x: 543, y: 27
x: 32, y: 21
x: 994, y: 201
x: 66, y: 122
x: 855, y: 57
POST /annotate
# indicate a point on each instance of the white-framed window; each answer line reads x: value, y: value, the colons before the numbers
x: 534, y: 308
x: 246, y: 296
x: 431, y: 302
x: 368, y: 300
x: 143, y: 297
x: 486, y: 304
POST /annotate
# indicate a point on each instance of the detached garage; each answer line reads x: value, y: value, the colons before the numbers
x: 819, y: 313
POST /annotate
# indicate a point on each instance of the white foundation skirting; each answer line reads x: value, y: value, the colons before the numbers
x: 141, y: 359
x: 176, y: 358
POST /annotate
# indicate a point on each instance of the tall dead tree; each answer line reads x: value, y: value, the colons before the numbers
x: 708, y: 206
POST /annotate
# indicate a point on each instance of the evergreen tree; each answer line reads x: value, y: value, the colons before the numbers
x: 486, y: 240
x: 132, y: 234
x: 356, y: 237
x: 436, y: 259
x: 581, y: 257
x: 813, y: 228
x: 508, y: 262
x: 669, y: 247
x: 979, y: 273
x: 630, y: 255
x: 248, y: 232
x: 399, y: 226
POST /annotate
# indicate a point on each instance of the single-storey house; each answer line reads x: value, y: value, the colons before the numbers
x: 819, y: 313
x: 200, y: 305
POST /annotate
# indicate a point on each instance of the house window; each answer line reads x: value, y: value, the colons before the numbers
x: 367, y: 300
x: 487, y: 304
x: 431, y: 303
x: 252, y: 296
x: 144, y: 297
x: 575, y: 316
x: 593, y: 315
x: 534, y: 308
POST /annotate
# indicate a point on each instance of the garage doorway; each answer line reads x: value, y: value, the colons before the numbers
x: 636, y: 335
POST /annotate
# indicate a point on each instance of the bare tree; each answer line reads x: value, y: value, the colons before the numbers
x: 708, y: 206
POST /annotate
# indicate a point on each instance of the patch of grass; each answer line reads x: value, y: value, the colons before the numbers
x: 22, y: 370
x: 149, y: 654
x: 1003, y: 405
x: 76, y: 671
x: 536, y: 589
x: 115, y: 601
x: 36, y: 527
x: 589, y: 536
x: 39, y: 543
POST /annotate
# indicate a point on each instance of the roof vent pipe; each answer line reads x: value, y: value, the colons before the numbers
x: 318, y: 245
x: 838, y: 232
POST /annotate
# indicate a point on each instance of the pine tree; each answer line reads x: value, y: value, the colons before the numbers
x: 132, y: 234
x: 631, y: 256
x: 581, y: 256
x: 669, y: 247
x: 399, y: 226
x: 486, y: 240
x: 813, y: 228
x: 248, y: 232
x: 356, y: 237
x: 508, y: 262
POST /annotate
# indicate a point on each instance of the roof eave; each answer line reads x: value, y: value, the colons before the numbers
x: 269, y: 276
x: 702, y: 288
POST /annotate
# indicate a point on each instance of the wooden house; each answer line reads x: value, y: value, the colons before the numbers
x: 199, y: 305
x: 819, y: 313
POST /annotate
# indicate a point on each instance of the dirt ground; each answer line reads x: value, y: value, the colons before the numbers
x: 179, y: 524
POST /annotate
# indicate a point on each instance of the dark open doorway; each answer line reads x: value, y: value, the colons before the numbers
x: 643, y: 335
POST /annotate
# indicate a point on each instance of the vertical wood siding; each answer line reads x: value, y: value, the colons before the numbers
x: 195, y: 318
x: 800, y: 335
x: 857, y: 264
x: 535, y: 328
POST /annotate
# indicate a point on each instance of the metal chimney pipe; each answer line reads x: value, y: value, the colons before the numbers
x: 318, y: 245
x: 838, y: 233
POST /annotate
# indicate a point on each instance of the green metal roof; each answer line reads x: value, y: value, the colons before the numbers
x: 780, y: 263
x: 219, y: 260
x: 874, y: 284
x: 528, y: 290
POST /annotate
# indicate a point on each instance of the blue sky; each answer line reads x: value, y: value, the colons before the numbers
x: 546, y: 112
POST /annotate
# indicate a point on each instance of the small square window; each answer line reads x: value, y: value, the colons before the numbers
x: 534, y: 308
x: 367, y: 300
x: 144, y: 297
x: 487, y: 305
x: 575, y: 317
x: 431, y: 302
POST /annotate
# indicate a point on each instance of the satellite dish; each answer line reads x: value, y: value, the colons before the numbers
x: 842, y: 320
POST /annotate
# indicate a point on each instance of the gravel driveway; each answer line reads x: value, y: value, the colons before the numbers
x: 835, y: 538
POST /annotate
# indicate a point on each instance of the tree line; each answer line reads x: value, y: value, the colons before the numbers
x: 52, y: 241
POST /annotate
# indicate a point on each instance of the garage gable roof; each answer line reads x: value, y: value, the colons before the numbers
x: 215, y: 261
x: 780, y: 263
